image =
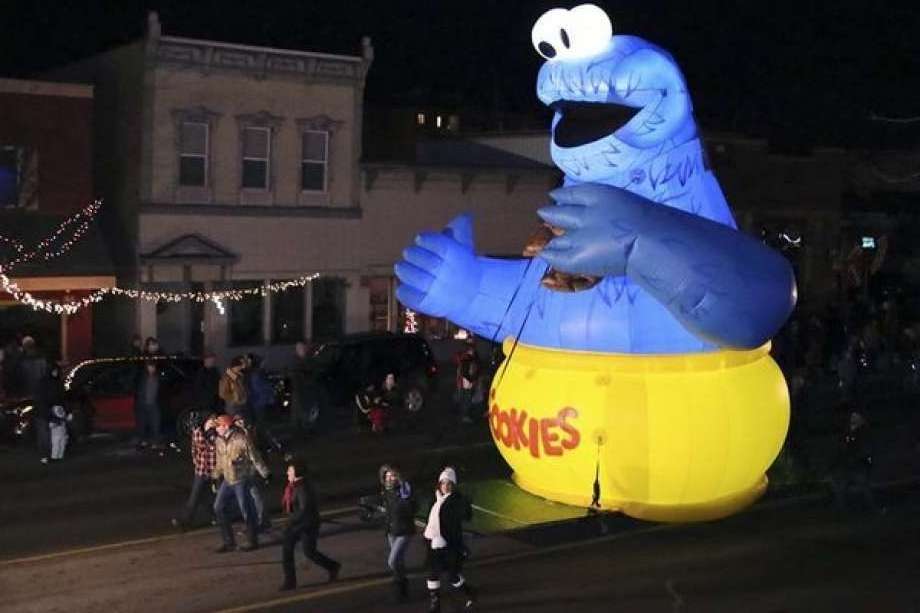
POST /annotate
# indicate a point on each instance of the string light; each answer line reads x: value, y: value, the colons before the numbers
x: 69, y: 307
x: 68, y: 380
x: 84, y: 217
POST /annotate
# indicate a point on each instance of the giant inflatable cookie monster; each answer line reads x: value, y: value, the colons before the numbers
x: 653, y: 391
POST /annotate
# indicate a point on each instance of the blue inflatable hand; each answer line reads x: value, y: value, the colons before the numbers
x: 440, y: 273
x: 601, y: 225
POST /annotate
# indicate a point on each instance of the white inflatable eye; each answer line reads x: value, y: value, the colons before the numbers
x: 589, y: 30
x: 563, y: 34
x: 549, y: 36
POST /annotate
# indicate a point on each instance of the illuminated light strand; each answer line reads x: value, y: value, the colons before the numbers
x: 69, y: 307
x: 87, y: 214
x: 68, y: 380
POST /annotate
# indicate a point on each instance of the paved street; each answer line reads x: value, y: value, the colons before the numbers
x: 798, y: 555
x: 93, y: 534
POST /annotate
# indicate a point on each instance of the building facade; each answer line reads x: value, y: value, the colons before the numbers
x: 234, y: 166
x: 46, y: 153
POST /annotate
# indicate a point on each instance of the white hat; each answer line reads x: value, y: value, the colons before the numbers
x: 448, y: 474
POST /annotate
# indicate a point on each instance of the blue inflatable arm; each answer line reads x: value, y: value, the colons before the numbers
x: 720, y: 284
x: 441, y: 276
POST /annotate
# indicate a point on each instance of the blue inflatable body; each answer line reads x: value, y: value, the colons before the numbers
x: 639, y: 207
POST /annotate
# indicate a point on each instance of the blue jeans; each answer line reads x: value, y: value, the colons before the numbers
x: 397, y: 558
x: 241, y: 491
x: 255, y: 492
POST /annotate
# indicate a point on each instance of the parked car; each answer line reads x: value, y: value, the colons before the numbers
x: 102, y: 392
x: 348, y: 364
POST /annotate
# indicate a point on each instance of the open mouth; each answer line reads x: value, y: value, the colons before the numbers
x: 586, y: 122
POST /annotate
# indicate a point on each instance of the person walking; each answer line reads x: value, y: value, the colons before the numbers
x: 232, y: 388
x: 147, y: 409
x: 236, y: 463
x: 400, y: 505
x: 303, y: 525
x: 444, y: 532
x: 204, y: 460
x: 254, y: 487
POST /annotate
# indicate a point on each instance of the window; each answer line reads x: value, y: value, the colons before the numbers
x: 18, y: 177
x: 438, y: 121
x: 313, y: 164
x: 193, y: 154
x: 328, y: 308
x: 420, y: 119
x: 288, y: 316
x: 246, y: 317
x: 10, y: 164
x: 256, y: 150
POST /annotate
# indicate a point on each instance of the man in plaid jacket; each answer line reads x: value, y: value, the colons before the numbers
x: 204, y: 459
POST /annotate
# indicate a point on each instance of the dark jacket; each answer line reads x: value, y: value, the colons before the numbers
x: 400, y: 506
x: 50, y: 393
x: 260, y: 391
x: 455, y: 510
x: 33, y: 370
x: 305, y: 513
x: 205, y: 390
x: 304, y: 384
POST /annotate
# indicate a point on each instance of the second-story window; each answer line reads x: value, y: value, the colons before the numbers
x: 256, y: 154
x: 314, y: 161
x: 193, y: 154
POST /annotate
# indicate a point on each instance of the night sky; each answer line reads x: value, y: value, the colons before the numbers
x: 799, y: 72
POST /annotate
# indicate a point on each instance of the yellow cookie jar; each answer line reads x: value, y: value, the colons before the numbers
x: 667, y: 437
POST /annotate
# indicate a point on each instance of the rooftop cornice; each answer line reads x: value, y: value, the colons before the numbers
x: 257, y: 49
x: 261, y: 62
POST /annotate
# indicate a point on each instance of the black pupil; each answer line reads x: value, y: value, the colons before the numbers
x: 565, y: 38
x: 546, y: 49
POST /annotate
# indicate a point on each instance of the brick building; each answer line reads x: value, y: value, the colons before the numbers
x: 46, y: 175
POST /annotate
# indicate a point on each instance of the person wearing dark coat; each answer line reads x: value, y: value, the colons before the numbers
x: 303, y: 525
x: 205, y: 390
x: 446, y: 549
x: 400, y: 506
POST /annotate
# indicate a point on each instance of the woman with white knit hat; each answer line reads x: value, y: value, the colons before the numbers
x: 444, y: 533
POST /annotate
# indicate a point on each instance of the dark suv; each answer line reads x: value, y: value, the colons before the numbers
x: 347, y: 365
